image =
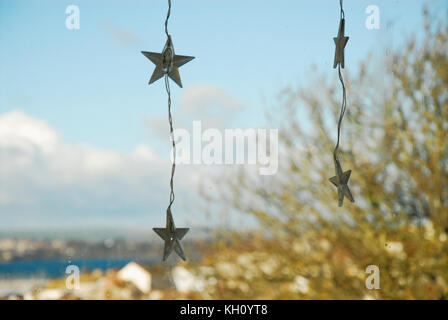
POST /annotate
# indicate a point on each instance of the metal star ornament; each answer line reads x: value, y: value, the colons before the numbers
x: 340, y: 42
x: 172, y: 236
x: 167, y: 62
x: 340, y: 181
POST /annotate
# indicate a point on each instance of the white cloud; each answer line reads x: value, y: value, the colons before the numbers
x: 19, y: 130
x: 121, y: 35
x: 215, y: 107
x: 207, y: 98
x: 45, y: 180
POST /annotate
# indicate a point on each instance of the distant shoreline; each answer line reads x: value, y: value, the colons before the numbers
x: 55, y: 268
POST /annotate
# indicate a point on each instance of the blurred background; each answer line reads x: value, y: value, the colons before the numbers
x: 84, y: 150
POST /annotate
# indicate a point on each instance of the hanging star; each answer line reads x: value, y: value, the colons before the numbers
x: 340, y: 181
x: 172, y: 236
x: 167, y: 63
x: 340, y: 42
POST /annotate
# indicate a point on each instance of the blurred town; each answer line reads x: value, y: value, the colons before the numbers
x: 37, y: 269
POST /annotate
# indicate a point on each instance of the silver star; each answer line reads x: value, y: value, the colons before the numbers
x: 167, y: 63
x: 172, y: 237
x: 340, y: 181
x: 340, y: 42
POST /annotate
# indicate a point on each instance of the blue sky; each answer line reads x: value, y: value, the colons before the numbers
x: 90, y: 85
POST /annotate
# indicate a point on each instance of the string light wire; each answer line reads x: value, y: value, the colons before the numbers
x: 344, y: 98
x: 170, y: 118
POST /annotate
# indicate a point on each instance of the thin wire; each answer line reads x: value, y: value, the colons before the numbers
x: 167, y: 17
x: 170, y: 118
x: 342, y: 112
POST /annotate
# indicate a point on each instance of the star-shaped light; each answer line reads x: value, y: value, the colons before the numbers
x: 172, y: 236
x: 340, y: 42
x: 340, y: 180
x: 167, y: 63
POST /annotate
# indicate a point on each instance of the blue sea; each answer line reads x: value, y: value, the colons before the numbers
x: 56, y: 268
